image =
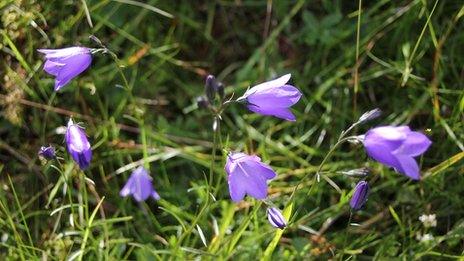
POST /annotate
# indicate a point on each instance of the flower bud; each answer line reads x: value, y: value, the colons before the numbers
x: 356, y: 172
x: 47, y: 152
x: 370, y: 115
x: 202, y: 102
x: 220, y: 90
x: 210, y: 87
x: 78, y: 145
x: 276, y: 218
x: 360, y: 195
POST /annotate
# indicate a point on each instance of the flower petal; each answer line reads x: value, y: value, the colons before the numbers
x: 408, y: 166
x: 269, y: 84
x: 260, y: 168
x: 142, y: 188
x: 53, y: 68
x: 155, y: 195
x: 127, y: 189
x: 415, y: 144
x: 389, y: 133
x: 284, y: 96
x: 381, y: 153
x: 64, y: 52
x: 74, y: 66
x: 256, y: 185
x: 282, y: 113
x: 237, y: 186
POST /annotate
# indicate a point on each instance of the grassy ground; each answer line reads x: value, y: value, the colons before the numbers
x: 404, y: 57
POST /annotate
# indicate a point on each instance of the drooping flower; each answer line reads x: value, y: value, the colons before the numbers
x: 273, y: 98
x: 247, y: 175
x: 396, y: 147
x: 66, y: 63
x: 78, y: 145
x: 47, y: 152
x: 139, y: 185
x: 276, y: 218
x: 360, y: 194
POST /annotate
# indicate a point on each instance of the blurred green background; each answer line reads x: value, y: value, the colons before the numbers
x: 347, y: 57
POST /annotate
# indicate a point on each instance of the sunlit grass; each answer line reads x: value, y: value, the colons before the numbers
x: 139, y: 108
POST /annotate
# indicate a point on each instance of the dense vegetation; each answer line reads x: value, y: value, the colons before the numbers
x: 139, y: 107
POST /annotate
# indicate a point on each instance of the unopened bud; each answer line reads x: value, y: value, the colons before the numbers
x: 356, y: 172
x: 370, y: 115
x: 276, y: 219
x: 220, y: 90
x: 210, y: 87
x: 202, y: 102
x: 360, y: 194
x: 47, y: 152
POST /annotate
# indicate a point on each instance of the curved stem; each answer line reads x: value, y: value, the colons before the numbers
x: 346, y: 234
x: 208, y: 190
x: 327, y: 156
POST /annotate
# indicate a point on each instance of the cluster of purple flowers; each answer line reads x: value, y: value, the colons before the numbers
x: 392, y: 146
x: 65, y: 64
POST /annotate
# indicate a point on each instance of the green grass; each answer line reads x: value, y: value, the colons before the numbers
x: 347, y: 57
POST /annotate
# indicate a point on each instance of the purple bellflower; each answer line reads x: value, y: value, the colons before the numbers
x: 276, y: 218
x: 66, y: 63
x: 78, y: 145
x: 47, y: 152
x: 139, y: 185
x: 247, y: 175
x: 396, y: 147
x: 273, y: 98
x: 359, y: 197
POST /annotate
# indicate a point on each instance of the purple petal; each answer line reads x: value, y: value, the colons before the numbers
x: 256, y: 185
x: 269, y: 84
x: 247, y: 175
x: 237, y: 187
x: 139, y: 185
x: 260, y: 168
x: 53, y: 68
x: 74, y: 65
x: 415, y: 144
x: 283, y: 96
x: 408, y: 166
x: 390, y: 133
x: 282, y: 113
x: 47, y: 152
x: 155, y: 195
x: 83, y: 159
x: 64, y: 52
x: 127, y: 189
x: 276, y: 219
x: 78, y: 145
x: 381, y: 153
x: 359, y: 197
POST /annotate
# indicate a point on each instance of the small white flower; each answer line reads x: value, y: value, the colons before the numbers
x: 426, y: 238
x: 4, y: 237
x: 428, y: 220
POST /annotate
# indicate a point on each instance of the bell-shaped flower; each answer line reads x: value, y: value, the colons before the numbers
x: 276, y: 219
x: 247, y: 175
x: 139, y: 185
x: 66, y: 63
x: 78, y: 145
x: 396, y: 147
x: 47, y: 152
x: 360, y: 194
x: 273, y: 98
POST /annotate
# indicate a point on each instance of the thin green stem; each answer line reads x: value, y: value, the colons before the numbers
x: 358, y: 33
x: 346, y: 234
